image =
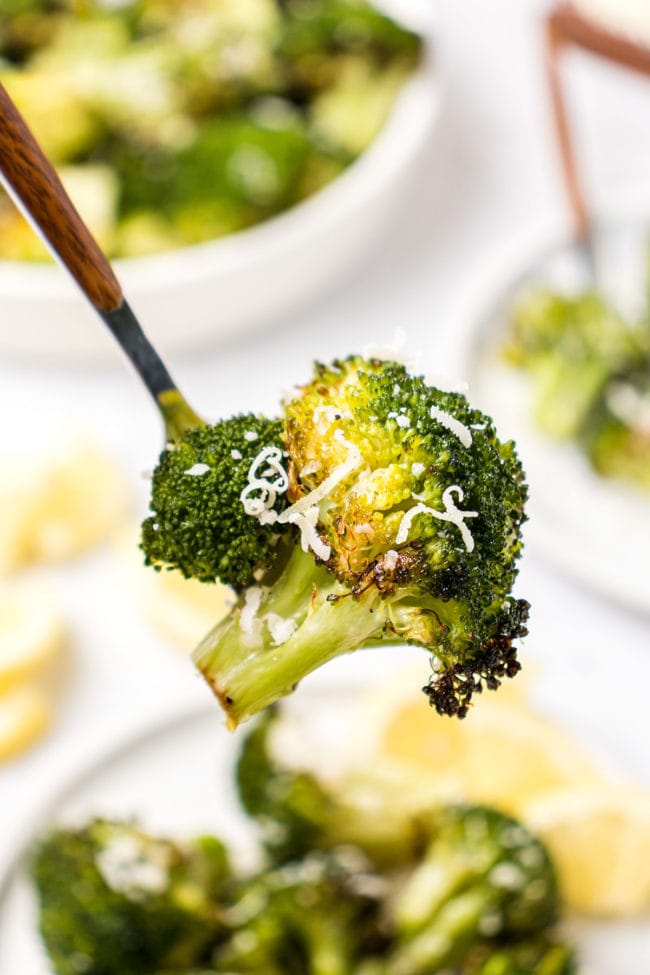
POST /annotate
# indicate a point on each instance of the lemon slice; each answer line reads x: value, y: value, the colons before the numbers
x: 501, y: 754
x: 80, y: 502
x: 25, y: 715
x: 599, y: 837
x: 32, y: 633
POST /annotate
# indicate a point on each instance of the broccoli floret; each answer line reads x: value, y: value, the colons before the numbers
x: 318, y: 36
x: 570, y: 345
x: 537, y: 957
x: 312, y: 917
x: 297, y: 813
x: 115, y: 901
x: 410, y: 512
x: 483, y: 875
x: 198, y: 523
x: 616, y: 436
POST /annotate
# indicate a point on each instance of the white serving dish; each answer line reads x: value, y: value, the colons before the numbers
x: 243, y: 281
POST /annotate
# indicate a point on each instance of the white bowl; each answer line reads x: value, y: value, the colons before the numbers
x: 242, y: 281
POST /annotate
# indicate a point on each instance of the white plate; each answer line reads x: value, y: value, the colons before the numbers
x: 177, y: 779
x: 594, y: 528
x: 242, y: 281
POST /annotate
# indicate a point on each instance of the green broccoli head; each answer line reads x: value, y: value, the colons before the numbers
x: 297, y: 812
x: 198, y: 523
x: 115, y: 901
x: 540, y: 956
x: 316, y: 916
x: 616, y: 436
x: 409, y: 511
x: 570, y: 345
x: 484, y: 875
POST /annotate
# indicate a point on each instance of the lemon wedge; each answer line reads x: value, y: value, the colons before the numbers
x: 32, y: 633
x: 25, y: 716
x: 599, y: 837
x: 59, y: 508
x: 502, y: 754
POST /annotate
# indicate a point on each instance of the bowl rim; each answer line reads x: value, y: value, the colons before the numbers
x: 400, y: 139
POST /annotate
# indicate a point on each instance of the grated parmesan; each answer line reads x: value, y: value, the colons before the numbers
x: 266, y: 491
x: 451, y: 513
x: 280, y: 628
x: 392, y: 352
x: 250, y: 436
x: 417, y: 469
x: 236, y: 454
x: 248, y: 616
x: 197, y: 470
x: 350, y: 464
x: 459, y: 429
x: 403, y: 421
x: 390, y: 559
x: 125, y: 870
x: 305, y: 522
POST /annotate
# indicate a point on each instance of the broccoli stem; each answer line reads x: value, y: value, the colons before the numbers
x: 446, y: 938
x: 245, y: 667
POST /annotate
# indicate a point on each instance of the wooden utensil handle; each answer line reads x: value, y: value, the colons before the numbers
x: 35, y: 187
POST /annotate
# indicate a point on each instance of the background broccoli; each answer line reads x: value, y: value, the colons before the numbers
x: 296, y: 812
x: 409, y: 510
x: 116, y: 901
x: 483, y: 875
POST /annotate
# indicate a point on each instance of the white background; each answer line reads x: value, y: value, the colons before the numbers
x: 488, y: 176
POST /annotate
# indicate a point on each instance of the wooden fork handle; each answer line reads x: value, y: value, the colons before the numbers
x: 36, y: 189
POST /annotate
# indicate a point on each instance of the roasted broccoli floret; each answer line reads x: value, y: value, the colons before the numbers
x: 484, y: 875
x: 312, y: 917
x: 296, y: 812
x: 407, y: 514
x: 115, y: 901
x: 536, y: 957
x: 616, y: 435
x: 198, y: 523
x: 570, y: 345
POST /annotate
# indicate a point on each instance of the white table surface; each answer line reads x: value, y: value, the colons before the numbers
x: 489, y: 175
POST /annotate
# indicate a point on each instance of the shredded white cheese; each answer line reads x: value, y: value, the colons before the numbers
x: 279, y: 628
x: 197, y: 470
x: 125, y: 868
x: 392, y: 352
x: 305, y: 522
x: 236, y: 454
x: 417, y: 468
x: 262, y: 490
x: 390, y: 559
x: 311, y: 468
x: 248, y: 617
x: 630, y: 406
x: 451, y: 513
x: 403, y: 421
x: 250, y: 436
x: 447, y: 384
x: 458, y: 429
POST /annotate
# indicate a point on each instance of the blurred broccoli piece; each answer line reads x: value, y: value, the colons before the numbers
x: 570, y: 345
x: 297, y: 813
x: 312, y: 917
x: 537, y: 957
x: 317, y: 35
x: 484, y: 875
x: 616, y: 436
x: 198, y: 524
x: 115, y: 901
x: 410, y: 512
